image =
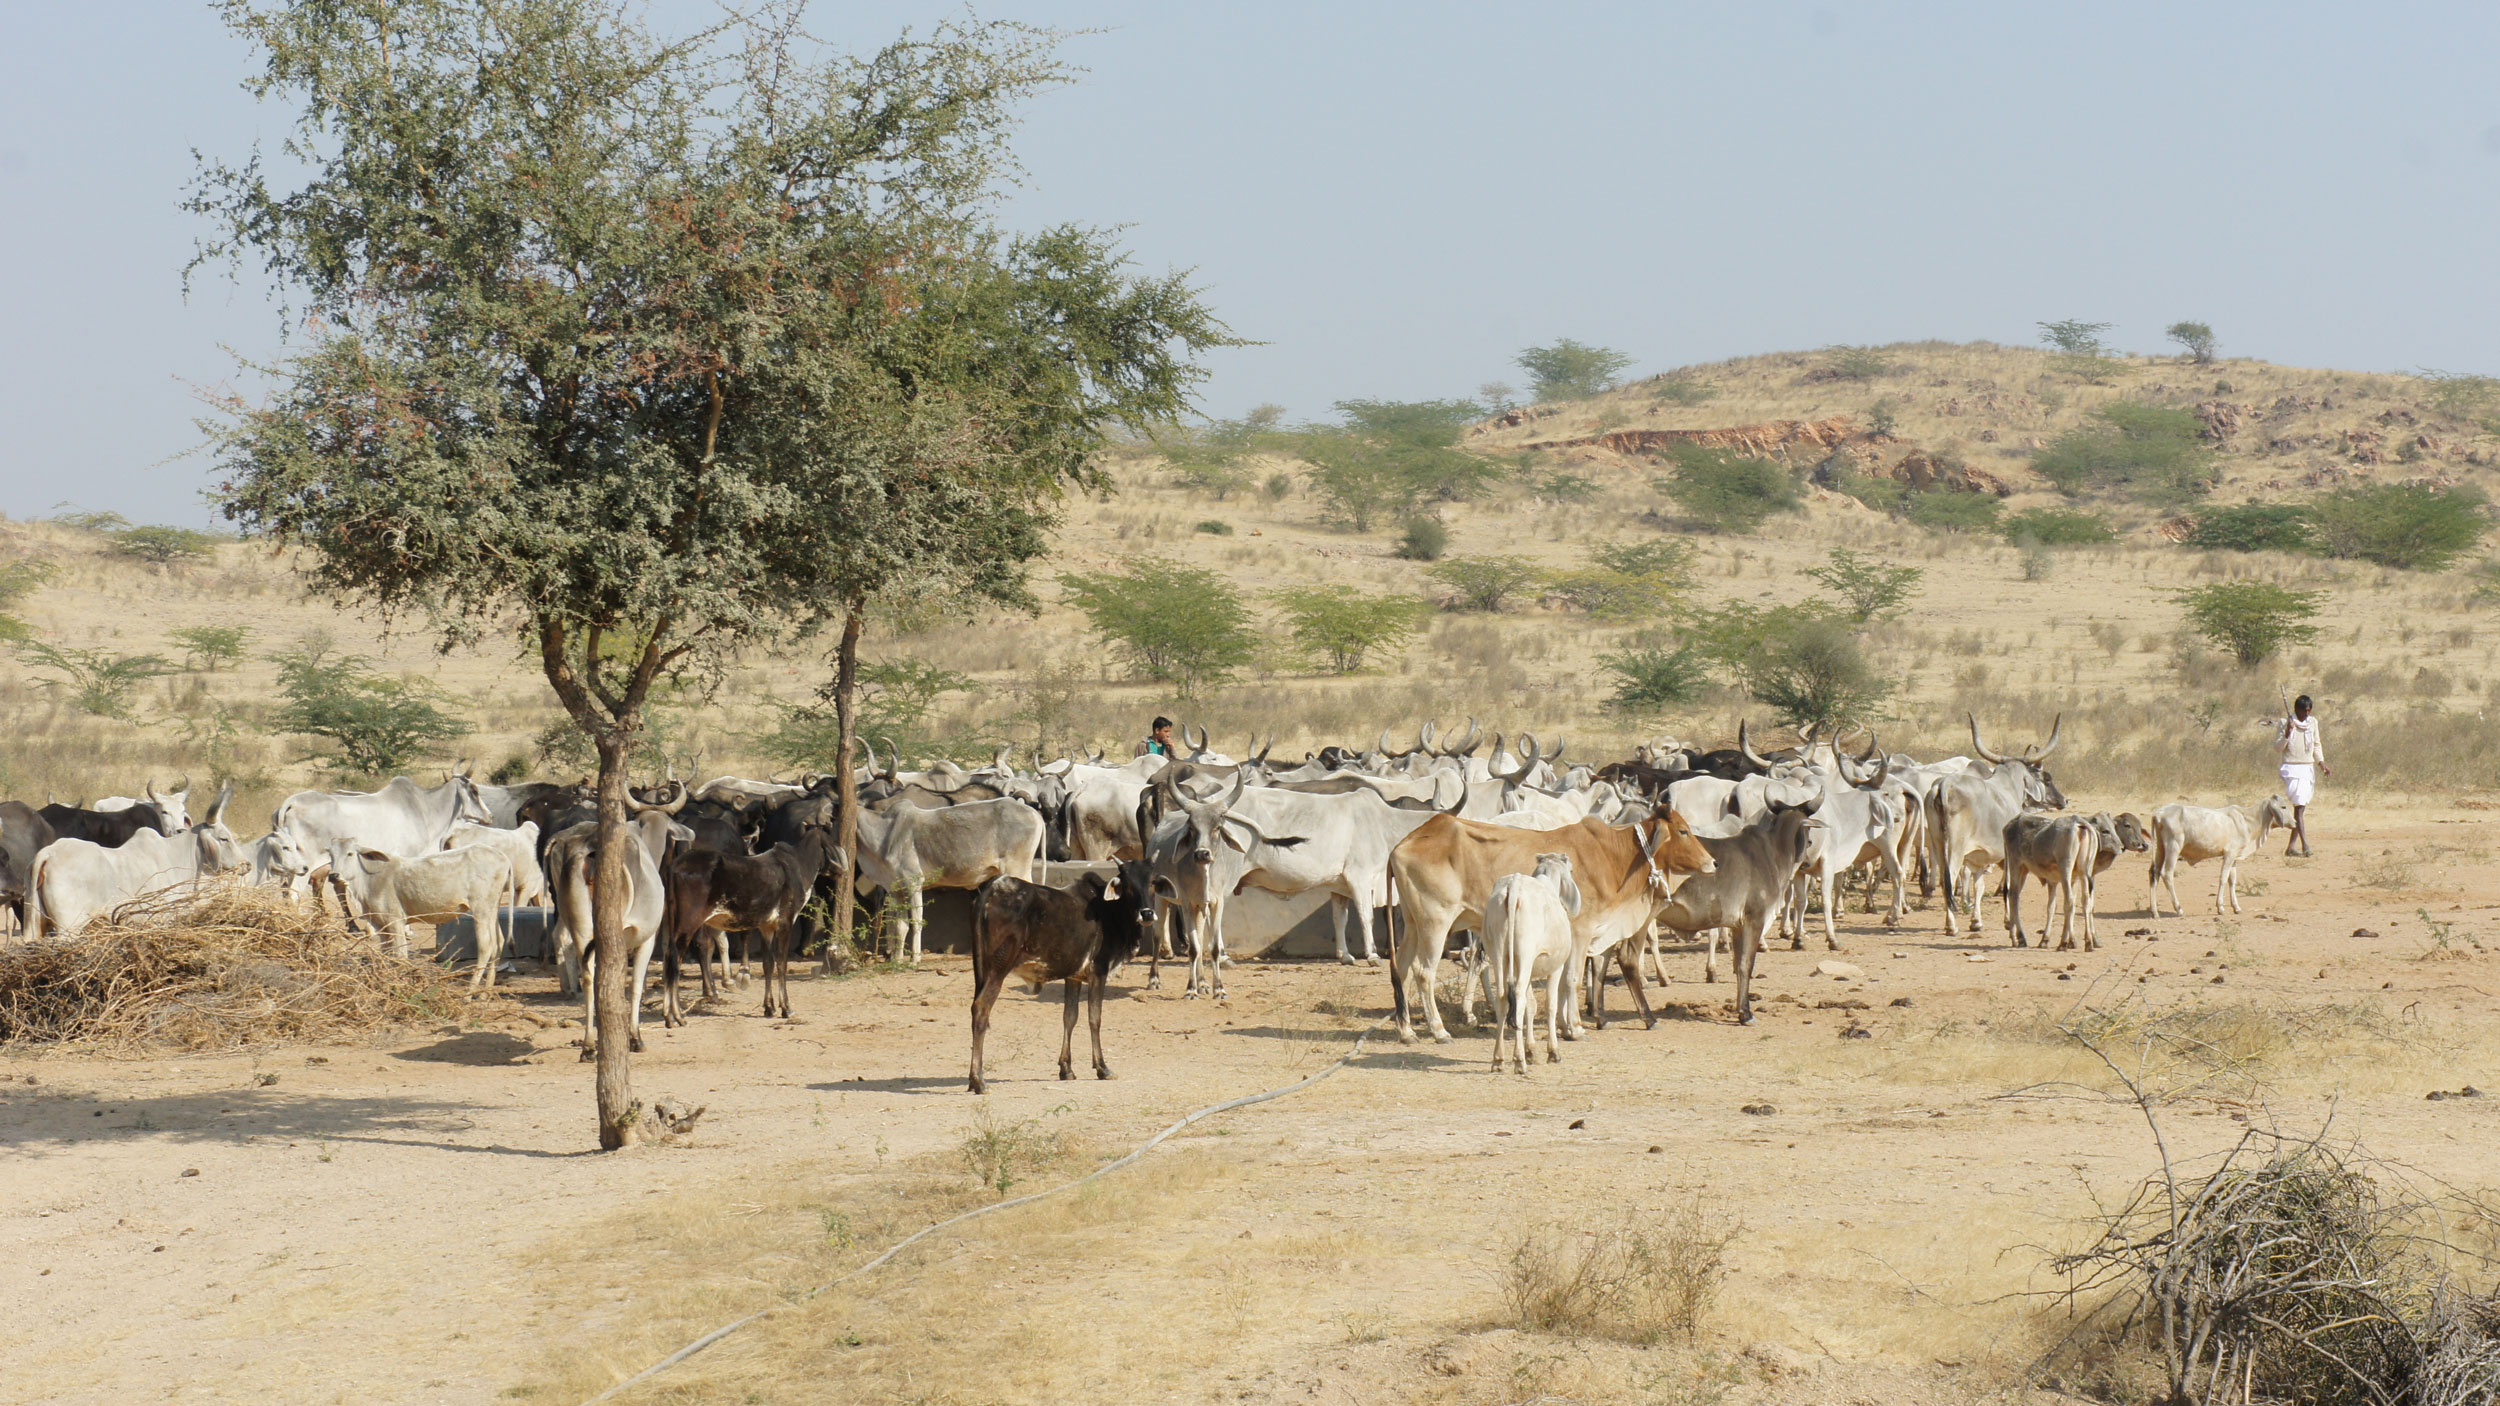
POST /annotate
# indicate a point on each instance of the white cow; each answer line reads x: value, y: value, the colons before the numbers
x: 520, y: 846
x: 71, y: 881
x: 2193, y: 834
x: 1527, y: 937
x: 431, y: 888
x: 402, y: 820
x: 906, y: 850
x: 174, y: 806
x: 570, y: 858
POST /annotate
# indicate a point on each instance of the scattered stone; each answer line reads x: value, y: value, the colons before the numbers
x: 1579, y: 1122
x: 1902, y: 1001
x: 1900, y: 956
x: 2217, y: 981
x: 2065, y: 976
x: 2139, y: 932
x: 1857, y: 1032
x: 1840, y: 971
x: 1779, y: 1360
x: 1976, y: 957
x: 1852, y: 1004
x: 675, y: 1116
x: 2365, y: 934
x: 2437, y: 1095
x: 308, y: 1059
x: 1656, y: 1148
x: 1759, y: 1110
x: 190, y: 1171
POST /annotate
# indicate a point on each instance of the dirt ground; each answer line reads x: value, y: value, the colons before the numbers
x: 418, y: 1220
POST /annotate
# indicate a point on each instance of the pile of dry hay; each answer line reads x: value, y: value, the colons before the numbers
x: 213, y: 969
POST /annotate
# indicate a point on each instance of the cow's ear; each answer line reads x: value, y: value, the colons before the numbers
x: 1110, y: 886
x: 373, y: 856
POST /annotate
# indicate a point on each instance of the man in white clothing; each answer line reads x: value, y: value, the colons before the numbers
x: 2304, y: 760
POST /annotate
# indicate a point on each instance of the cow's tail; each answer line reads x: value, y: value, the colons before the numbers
x: 981, y: 934
x: 1938, y: 860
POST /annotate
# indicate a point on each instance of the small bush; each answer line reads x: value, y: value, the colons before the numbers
x: 2252, y: 619
x: 162, y: 546
x: 2039, y: 562
x: 2195, y: 338
x: 1655, y: 678
x: 1001, y: 1154
x: 1853, y: 364
x: 1886, y: 495
x: 1870, y: 589
x: 209, y: 646
x: 1389, y: 456
x: 1819, y: 676
x: 1940, y: 510
x: 2057, y: 527
x: 1182, y: 625
x: 2254, y: 527
x: 1725, y: 492
x: 1884, y: 417
x: 1426, y: 538
x: 86, y: 520
x: 1566, y: 488
x: 1677, y: 390
x: 1486, y: 583
x: 18, y: 580
x: 1279, y: 486
x: 1215, y: 527
x: 1627, y: 580
x: 2152, y: 451
x: 2409, y: 526
x: 379, y: 724
x: 1343, y: 626
x: 1646, y: 1280
x: 99, y: 683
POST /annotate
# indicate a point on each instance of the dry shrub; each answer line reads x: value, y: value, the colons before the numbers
x: 1001, y: 1154
x: 218, y: 969
x: 2289, y: 1273
x: 1650, y: 1278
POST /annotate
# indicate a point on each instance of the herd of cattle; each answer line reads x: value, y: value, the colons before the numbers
x: 1540, y: 872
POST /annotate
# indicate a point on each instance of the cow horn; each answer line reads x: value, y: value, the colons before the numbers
x: 1240, y: 783
x: 1744, y: 748
x: 1466, y: 746
x: 149, y: 790
x: 1528, y: 760
x: 1560, y: 744
x: 1261, y: 757
x: 225, y: 797
x: 2041, y: 752
x: 1383, y: 746
x: 1981, y: 747
x: 891, y: 767
x: 1424, y: 736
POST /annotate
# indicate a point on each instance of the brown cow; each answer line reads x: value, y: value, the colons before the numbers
x: 1444, y: 874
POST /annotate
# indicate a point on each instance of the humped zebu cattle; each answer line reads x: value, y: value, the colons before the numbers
x: 1528, y: 938
x: 402, y: 819
x: 2185, y: 834
x: 1966, y: 815
x: 1078, y: 935
x: 651, y: 834
x: 437, y: 888
x: 2063, y: 852
x: 1749, y: 882
x: 72, y: 881
x: 720, y: 891
x: 906, y: 850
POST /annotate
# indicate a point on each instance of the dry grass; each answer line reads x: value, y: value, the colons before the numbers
x: 1645, y: 1279
x: 224, y: 969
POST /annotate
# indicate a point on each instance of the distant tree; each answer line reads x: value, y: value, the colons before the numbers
x: 1725, y: 491
x: 378, y: 723
x: 1387, y: 457
x: 162, y: 546
x: 18, y: 580
x: 1870, y: 589
x: 2252, y: 619
x: 2056, y: 527
x: 2462, y: 394
x: 1680, y: 389
x: 2254, y: 527
x: 1343, y: 626
x: 99, y: 682
x: 2075, y: 337
x: 1486, y: 583
x: 90, y: 520
x: 2154, y: 452
x: 1181, y: 625
x: 1731, y: 636
x: 1652, y: 678
x: 2195, y: 338
x: 1817, y: 676
x: 1498, y: 396
x: 1627, y: 580
x: 209, y: 646
x: 1215, y: 458
x: 1855, y: 364
x: 2410, y: 526
x: 1884, y: 417
x: 896, y: 700
x: 1569, y: 370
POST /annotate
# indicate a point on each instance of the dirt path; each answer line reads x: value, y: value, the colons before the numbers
x: 418, y: 1221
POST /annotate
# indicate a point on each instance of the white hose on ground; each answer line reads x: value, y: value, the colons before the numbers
x: 908, y: 1241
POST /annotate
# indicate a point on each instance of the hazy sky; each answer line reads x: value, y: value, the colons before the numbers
x: 1395, y: 198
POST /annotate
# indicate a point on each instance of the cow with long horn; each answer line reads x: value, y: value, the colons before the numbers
x: 1967, y: 814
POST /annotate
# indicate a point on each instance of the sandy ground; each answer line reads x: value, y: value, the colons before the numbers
x: 418, y: 1220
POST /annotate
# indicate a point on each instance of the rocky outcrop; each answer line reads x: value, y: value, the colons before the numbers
x: 2221, y: 419
x: 1773, y: 439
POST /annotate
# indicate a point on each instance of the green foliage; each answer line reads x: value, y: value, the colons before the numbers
x: 2195, y: 338
x: 1729, y: 636
x: 1497, y: 396
x: 511, y: 771
x: 1426, y: 538
x: 1681, y: 390
x: 91, y: 520
x: 162, y: 546
x: 1884, y: 417
x: 1215, y: 458
x: 2254, y: 527
x: 2252, y: 619
x: 1870, y: 589
x: 1566, y: 488
x: 2152, y: 451
x: 1725, y: 492
x: 1486, y: 583
x: 18, y: 580
x: 1279, y: 485
x: 2461, y: 394
x: 1388, y: 456
x: 1342, y: 626
x: 1215, y: 527
x: 1853, y: 364
x: 1818, y: 674
x: 1569, y: 370
x: 1627, y: 580
x: 897, y: 700
x: 2075, y: 337
x: 99, y: 683
x: 2411, y: 526
x: 1654, y: 678
x: 1886, y: 495
x: 207, y: 647
x: 1943, y: 510
x: 379, y: 724
x: 1181, y: 625
x: 2057, y: 527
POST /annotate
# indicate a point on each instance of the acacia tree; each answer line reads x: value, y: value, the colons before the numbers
x: 650, y: 351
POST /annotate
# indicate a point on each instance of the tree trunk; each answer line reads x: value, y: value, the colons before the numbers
x: 617, y: 1110
x: 846, y: 715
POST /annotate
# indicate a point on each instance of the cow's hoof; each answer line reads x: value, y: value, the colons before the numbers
x: 1190, y: 995
x: 743, y: 980
x: 635, y: 1044
x: 1440, y: 1037
x: 1345, y: 959
x: 1406, y: 1037
x: 589, y: 1054
x: 1066, y: 1073
x: 977, y: 1087
x: 1552, y: 1057
x: 1102, y: 1071
x: 1649, y: 1022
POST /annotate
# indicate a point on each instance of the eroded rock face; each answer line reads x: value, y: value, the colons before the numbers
x: 2222, y: 419
x: 1774, y: 438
